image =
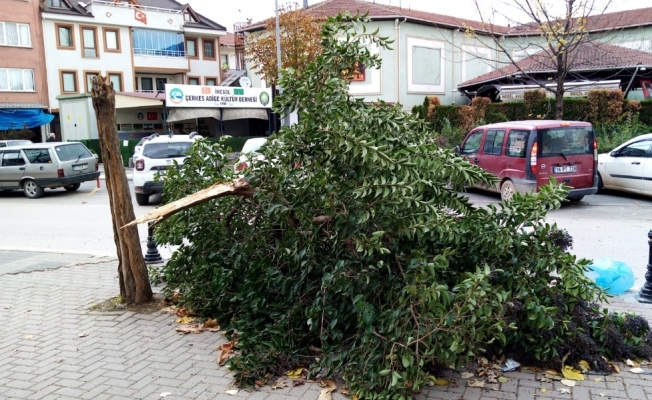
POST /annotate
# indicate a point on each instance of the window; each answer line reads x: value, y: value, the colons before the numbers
x: 149, y: 42
x: 147, y: 84
x: 520, y: 54
x: 639, y: 149
x: 38, y: 156
x: 12, y: 159
x: 209, y: 49
x: 56, y: 4
x: 65, y: 36
x: 472, y: 144
x: 210, y: 81
x: 89, y: 42
x: 12, y: 34
x: 17, y: 80
x: 493, y: 142
x: 475, y: 62
x: 191, y: 48
x: 111, y: 40
x: 73, y: 151
x: 89, y: 76
x: 193, y: 80
x: 224, y: 61
x: 116, y: 79
x: 516, y: 143
x: 166, y: 150
x: 188, y: 18
x: 68, y: 81
x: 425, y: 66
x: 566, y: 141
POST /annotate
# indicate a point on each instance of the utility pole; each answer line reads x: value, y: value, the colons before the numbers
x: 305, y: 4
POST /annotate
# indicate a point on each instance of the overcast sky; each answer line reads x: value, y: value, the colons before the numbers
x: 227, y: 12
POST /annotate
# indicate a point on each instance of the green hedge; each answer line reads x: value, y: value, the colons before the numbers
x: 235, y: 143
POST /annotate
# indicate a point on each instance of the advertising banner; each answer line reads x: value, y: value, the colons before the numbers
x: 217, y: 96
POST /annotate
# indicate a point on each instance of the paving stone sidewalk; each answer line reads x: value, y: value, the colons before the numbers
x: 125, y: 355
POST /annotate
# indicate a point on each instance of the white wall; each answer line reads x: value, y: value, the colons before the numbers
x: 58, y: 59
x: 123, y: 15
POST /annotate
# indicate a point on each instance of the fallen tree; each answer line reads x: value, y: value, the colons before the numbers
x: 354, y: 256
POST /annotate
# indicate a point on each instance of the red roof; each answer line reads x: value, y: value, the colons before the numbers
x: 228, y: 40
x: 331, y: 8
x: 587, y: 56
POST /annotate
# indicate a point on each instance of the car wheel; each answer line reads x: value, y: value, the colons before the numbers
x: 507, y: 190
x: 600, y: 184
x: 142, y: 199
x: 73, y: 187
x: 32, y: 189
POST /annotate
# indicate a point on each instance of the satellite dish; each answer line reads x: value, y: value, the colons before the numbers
x: 245, y: 82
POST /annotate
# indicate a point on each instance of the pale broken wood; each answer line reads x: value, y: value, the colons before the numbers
x: 237, y: 187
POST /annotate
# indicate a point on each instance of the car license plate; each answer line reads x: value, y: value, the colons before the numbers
x: 80, y: 167
x: 565, y: 169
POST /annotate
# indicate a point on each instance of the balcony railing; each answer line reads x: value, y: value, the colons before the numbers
x: 159, y: 53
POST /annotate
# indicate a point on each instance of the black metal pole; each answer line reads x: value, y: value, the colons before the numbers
x: 152, y: 256
x: 645, y: 296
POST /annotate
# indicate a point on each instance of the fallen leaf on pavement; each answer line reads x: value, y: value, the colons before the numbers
x: 502, y: 379
x: 567, y: 382
x: 551, y: 372
x: 598, y: 380
x: 483, y: 361
x: 553, y: 377
x: 344, y: 391
x: 609, y: 379
x: 184, y: 320
x: 211, y: 323
x: 182, y: 312
x: 636, y: 370
x: 165, y: 394
x: 543, y: 390
x: 615, y: 367
x: 298, y: 382
x: 632, y: 363
x: 602, y: 395
x: 192, y: 328
x: 584, y: 366
x: 442, y: 382
x: 226, y: 352
x: 279, y: 384
x: 169, y: 310
x: 295, y: 373
x: 563, y: 390
x: 232, y: 392
x: 571, y: 373
x: 326, y: 383
x: 259, y: 383
x: 476, y: 383
x: 329, y: 387
x: 29, y: 337
x: 495, y: 387
x: 467, y: 375
x: 83, y: 334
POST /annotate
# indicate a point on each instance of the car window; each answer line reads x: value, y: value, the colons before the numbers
x: 166, y: 150
x: 12, y: 159
x: 38, y: 156
x: 472, y: 143
x: 517, y: 143
x: 253, y: 145
x: 638, y: 149
x: 3, y: 144
x: 73, y: 151
x: 566, y: 141
x: 493, y: 142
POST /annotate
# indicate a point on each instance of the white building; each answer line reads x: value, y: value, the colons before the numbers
x: 139, y: 44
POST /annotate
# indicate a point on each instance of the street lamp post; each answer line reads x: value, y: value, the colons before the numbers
x: 645, y: 295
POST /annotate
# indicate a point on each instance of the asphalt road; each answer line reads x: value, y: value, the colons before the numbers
x: 611, y: 225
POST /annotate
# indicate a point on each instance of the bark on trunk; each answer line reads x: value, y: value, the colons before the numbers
x: 132, y: 271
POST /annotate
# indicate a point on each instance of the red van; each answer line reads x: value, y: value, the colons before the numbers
x: 524, y: 154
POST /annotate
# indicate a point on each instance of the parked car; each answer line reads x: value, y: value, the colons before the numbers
x: 14, y: 142
x: 158, y: 154
x: 525, y: 154
x: 138, y: 149
x: 33, y: 167
x: 249, y: 152
x: 628, y: 167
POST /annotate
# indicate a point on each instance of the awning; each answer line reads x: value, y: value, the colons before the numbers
x: 227, y: 114
x: 17, y: 118
x: 125, y: 101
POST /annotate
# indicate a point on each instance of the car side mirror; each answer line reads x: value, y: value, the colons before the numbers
x: 458, y: 150
x: 614, y: 154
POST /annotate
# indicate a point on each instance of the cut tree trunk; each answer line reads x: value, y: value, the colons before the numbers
x: 132, y: 271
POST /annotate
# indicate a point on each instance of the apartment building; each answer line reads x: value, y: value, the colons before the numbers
x: 140, y: 45
x: 23, y: 87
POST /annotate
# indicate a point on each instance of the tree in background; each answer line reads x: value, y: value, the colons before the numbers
x: 300, y: 43
x: 555, y: 38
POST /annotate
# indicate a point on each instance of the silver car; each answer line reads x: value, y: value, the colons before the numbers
x: 33, y: 167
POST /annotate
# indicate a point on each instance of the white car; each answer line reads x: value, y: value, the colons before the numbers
x: 249, y: 152
x: 628, y: 167
x: 157, y: 155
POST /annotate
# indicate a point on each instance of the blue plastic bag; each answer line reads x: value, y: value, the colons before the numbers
x: 612, y: 275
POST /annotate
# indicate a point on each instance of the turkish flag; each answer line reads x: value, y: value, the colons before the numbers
x: 140, y: 16
x: 152, y: 116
